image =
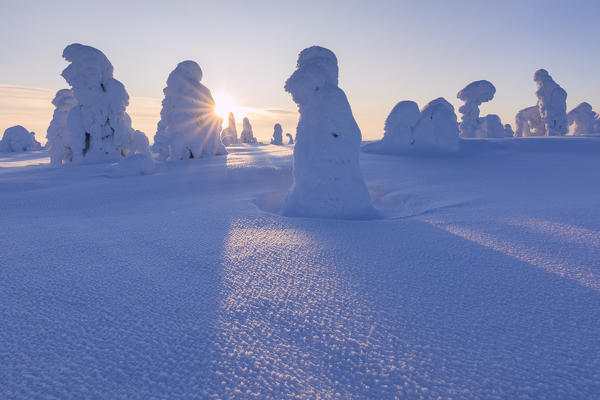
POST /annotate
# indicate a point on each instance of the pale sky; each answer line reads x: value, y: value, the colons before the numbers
x: 388, y: 51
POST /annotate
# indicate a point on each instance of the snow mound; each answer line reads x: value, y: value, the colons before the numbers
x: 473, y: 95
x: 327, y: 179
x: 58, y: 135
x: 17, y: 139
x: 136, y: 164
x: 277, y: 135
x: 290, y: 138
x: 247, y: 136
x: 552, y: 104
x: 582, y: 120
x: 99, y: 128
x: 529, y: 123
x: 188, y: 126
x: 229, y: 134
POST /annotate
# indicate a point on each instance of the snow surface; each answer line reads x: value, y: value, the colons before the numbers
x: 188, y: 126
x: 552, y: 104
x: 17, y: 139
x: 277, y: 135
x: 482, y: 281
x: 327, y: 178
x: 247, y: 136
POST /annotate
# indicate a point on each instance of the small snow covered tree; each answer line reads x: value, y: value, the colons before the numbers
x: 188, y: 126
x: 17, y: 139
x: 290, y: 138
x: 398, y: 132
x: 529, y: 122
x: 437, y: 128
x: 247, y: 136
x: 98, y: 125
x: 277, y: 135
x: 508, y: 131
x: 58, y: 135
x: 490, y: 126
x: 229, y: 134
x: 582, y: 120
x: 552, y: 104
x: 327, y: 179
x: 473, y: 95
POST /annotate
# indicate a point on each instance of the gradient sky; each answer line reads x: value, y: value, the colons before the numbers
x: 387, y: 51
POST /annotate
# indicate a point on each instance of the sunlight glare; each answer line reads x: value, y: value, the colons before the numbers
x: 224, y: 104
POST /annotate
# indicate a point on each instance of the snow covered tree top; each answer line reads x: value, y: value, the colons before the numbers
x: 88, y: 66
x: 186, y: 72
x: 477, y: 92
x: 320, y: 57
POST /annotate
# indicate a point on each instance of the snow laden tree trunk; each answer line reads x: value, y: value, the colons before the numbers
x: 100, y: 129
x: 188, y: 126
x: 58, y: 135
x: 327, y: 178
x: 277, y: 135
x: 552, y: 104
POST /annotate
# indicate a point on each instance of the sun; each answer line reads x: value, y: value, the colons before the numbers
x: 224, y: 104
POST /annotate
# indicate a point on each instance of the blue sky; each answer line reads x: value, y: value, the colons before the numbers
x: 387, y: 50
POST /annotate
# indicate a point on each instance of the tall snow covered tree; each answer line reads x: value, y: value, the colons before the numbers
x: 552, y: 104
x: 473, y: 95
x: 229, y: 135
x: 327, y: 178
x: 247, y: 136
x: 58, y: 135
x: 188, y: 126
x: 277, y: 135
x: 99, y: 127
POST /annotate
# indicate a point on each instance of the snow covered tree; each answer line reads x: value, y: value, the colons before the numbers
x: 528, y: 122
x: 277, y: 135
x: 437, y: 128
x: 99, y: 128
x: 552, y: 104
x: 473, y: 95
x: 582, y: 120
x: 398, y: 129
x: 247, y: 136
x: 508, y: 131
x: 229, y: 134
x: 58, y: 135
x: 490, y: 126
x: 188, y: 126
x: 290, y: 138
x: 17, y: 139
x: 327, y: 179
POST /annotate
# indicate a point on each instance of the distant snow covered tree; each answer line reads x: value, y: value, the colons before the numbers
x: 327, y: 179
x: 247, y: 136
x: 473, y: 95
x: 188, y: 126
x: 508, y: 131
x: 99, y: 127
x: 290, y: 138
x: 58, y: 135
x: 552, y: 104
x: 437, y: 128
x: 398, y: 129
x: 528, y: 122
x: 17, y: 139
x: 229, y: 135
x: 277, y: 135
x: 490, y: 126
x: 582, y: 120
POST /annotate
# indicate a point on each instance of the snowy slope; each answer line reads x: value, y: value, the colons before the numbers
x: 482, y: 280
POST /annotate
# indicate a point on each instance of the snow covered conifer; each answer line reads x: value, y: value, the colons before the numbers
x: 437, y: 127
x: 528, y: 122
x: 582, y: 120
x: 99, y: 127
x: 508, y: 131
x: 290, y: 138
x: 490, y: 126
x: 473, y: 95
x: 327, y: 179
x: 229, y: 134
x: 188, y: 126
x: 277, y: 135
x: 398, y: 129
x: 17, y: 139
x: 247, y: 136
x: 58, y: 135
x: 552, y: 104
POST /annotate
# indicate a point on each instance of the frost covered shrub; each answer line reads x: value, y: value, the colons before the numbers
x: 552, y: 104
x: 17, y: 139
x: 327, y: 178
x: 473, y: 95
x: 229, y: 134
x: 247, y: 136
x: 98, y: 126
x: 58, y: 135
x: 277, y: 135
x: 528, y: 122
x: 188, y: 126
x: 582, y: 120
